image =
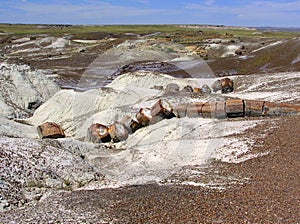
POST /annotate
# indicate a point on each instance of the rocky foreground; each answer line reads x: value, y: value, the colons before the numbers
x: 269, y: 195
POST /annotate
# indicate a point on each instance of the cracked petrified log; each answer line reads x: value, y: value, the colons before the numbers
x: 278, y: 109
x: 253, y: 108
x: 50, y: 130
x: 160, y: 110
x: 118, y: 132
x: 131, y: 124
x: 231, y: 108
x: 144, y: 116
x: 98, y: 133
x: 234, y: 108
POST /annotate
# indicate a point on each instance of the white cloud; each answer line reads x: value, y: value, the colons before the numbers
x: 255, y: 13
x: 209, y: 2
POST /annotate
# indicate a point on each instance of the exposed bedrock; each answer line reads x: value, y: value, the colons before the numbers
x: 22, y: 90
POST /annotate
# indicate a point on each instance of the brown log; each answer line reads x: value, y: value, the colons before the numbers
x: 278, y: 109
x: 208, y: 110
x: 193, y: 110
x: 220, y: 111
x: 144, y: 116
x: 50, y: 130
x: 131, y: 125
x: 235, y: 108
x: 161, y: 110
x: 118, y: 132
x: 181, y: 110
x: 253, y: 108
x: 98, y: 133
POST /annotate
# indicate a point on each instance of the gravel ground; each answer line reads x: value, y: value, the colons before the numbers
x: 271, y: 194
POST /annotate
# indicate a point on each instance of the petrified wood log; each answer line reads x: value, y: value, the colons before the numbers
x: 278, y: 109
x: 161, y: 110
x: 220, y: 111
x: 208, y: 110
x: 50, y: 130
x: 144, y: 116
x: 235, y: 108
x: 253, y: 108
x: 194, y: 110
x: 131, y: 125
x: 118, y: 132
x: 98, y: 133
x: 181, y: 110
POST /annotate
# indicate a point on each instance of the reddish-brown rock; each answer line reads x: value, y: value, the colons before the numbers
x: 50, y: 130
x: 226, y: 85
x: 197, y: 90
x: 98, y: 133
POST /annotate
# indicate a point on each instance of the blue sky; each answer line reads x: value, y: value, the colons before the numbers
x: 280, y: 13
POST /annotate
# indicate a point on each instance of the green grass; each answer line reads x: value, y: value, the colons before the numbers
x: 17, y: 29
x: 166, y: 30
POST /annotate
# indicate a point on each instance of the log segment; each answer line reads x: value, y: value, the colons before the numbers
x: 130, y: 124
x: 98, y: 133
x: 118, y: 132
x: 231, y: 108
x: 50, y: 130
x: 144, y: 116
x: 253, y: 108
x: 279, y: 109
x: 235, y: 108
x: 193, y: 110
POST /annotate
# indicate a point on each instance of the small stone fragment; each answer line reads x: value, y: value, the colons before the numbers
x: 172, y: 87
x: 205, y: 89
x: 188, y: 89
